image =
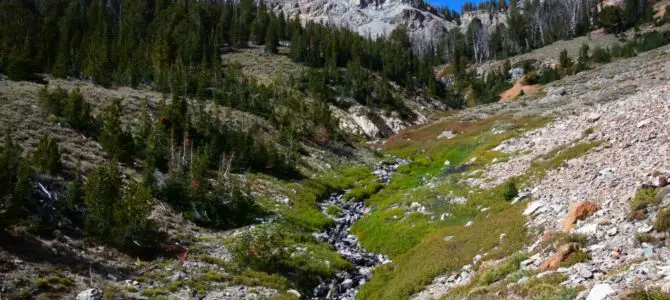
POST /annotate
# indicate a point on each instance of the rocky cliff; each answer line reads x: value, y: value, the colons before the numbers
x: 369, y: 18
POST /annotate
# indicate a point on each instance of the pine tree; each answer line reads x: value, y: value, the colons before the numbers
x: 46, y: 157
x: 21, y: 63
x: 77, y: 112
x: 102, y: 192
x: 271, y: 37
x: 113, y: 138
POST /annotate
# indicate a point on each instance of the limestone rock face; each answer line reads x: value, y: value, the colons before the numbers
x: 369, y: 18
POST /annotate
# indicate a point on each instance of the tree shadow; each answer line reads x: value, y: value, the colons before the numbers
x: 30, y: 249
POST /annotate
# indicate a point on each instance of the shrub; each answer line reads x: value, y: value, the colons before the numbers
x: 549, y: 75
x: 115, y: 213
x: 564, y: 59
x: 646, y: 294
x: 511, y: 191
x: 616, y: 50
x: 575, y: 258
x: 628, y: 50
x: 652, y: 40
x: 644, y: 197
x: 662, y: 222
x: 77, y: 112
x: 46, y: 157
x: 601, y: 55
x: 51, y: 103
x: 611, y: 19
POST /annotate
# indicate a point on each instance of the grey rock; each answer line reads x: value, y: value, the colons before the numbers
x: 177, y: 276
x: 585, y: 273
x: 612, y: 231
x: 523, y: 280
x: 90, y: 294
x: 347, y: 284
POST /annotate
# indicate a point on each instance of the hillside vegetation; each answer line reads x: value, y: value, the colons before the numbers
x: 181, y: 149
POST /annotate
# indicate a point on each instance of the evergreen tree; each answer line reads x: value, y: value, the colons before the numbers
x: 21, y: 64
x: 77, y: 112
x: 113, y: 138
x: 46, y: 157
x: 271, y: 37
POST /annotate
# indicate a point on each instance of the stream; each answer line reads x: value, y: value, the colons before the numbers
x: 345, y: 283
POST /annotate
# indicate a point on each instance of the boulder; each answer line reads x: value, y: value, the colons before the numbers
x: 90, y: 294
x: 579, y: 211
x: 600, y: 292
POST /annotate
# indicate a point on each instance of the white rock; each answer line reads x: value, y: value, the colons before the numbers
x: 593, y: 117
x: 90, y: 294
x: 446, y: 134
x: 532, y: 207
x: 469, y: 223
x: 588, y: 229
x: 294, y: 292
x: 447, y: 163
x: 646, y: 228
x: 600, y: 292
x: 476, y: 259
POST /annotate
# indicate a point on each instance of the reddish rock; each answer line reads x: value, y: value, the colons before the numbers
x: 579, y: 211
x: 561, y: 254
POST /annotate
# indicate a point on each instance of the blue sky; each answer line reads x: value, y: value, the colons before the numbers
x: 453, y: 4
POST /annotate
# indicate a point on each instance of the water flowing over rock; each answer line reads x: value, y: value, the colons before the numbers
x: 344, y: 285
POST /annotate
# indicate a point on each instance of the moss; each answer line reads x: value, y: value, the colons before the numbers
x: 587, y: 132
x: 575, y: 258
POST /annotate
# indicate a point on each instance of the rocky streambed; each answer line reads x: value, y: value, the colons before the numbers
x: 345, y: 284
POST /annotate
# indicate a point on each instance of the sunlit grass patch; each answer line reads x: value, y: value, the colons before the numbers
x: 391, y: 232
x: 433, y: 256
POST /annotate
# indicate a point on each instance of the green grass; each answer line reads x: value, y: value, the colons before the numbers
x: 644, y: 197
x: 641, y: 293
x: 662, y: 222
x: 382, y: 233
x: 499, y: 272
x: 55, y: 282
x: 417, y: 248
x: 556, y: 157
x: 304, y: 211
x: 154, y: 292
x: 411, y: 271
x: 334, y: 211
x: 575, y: 258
